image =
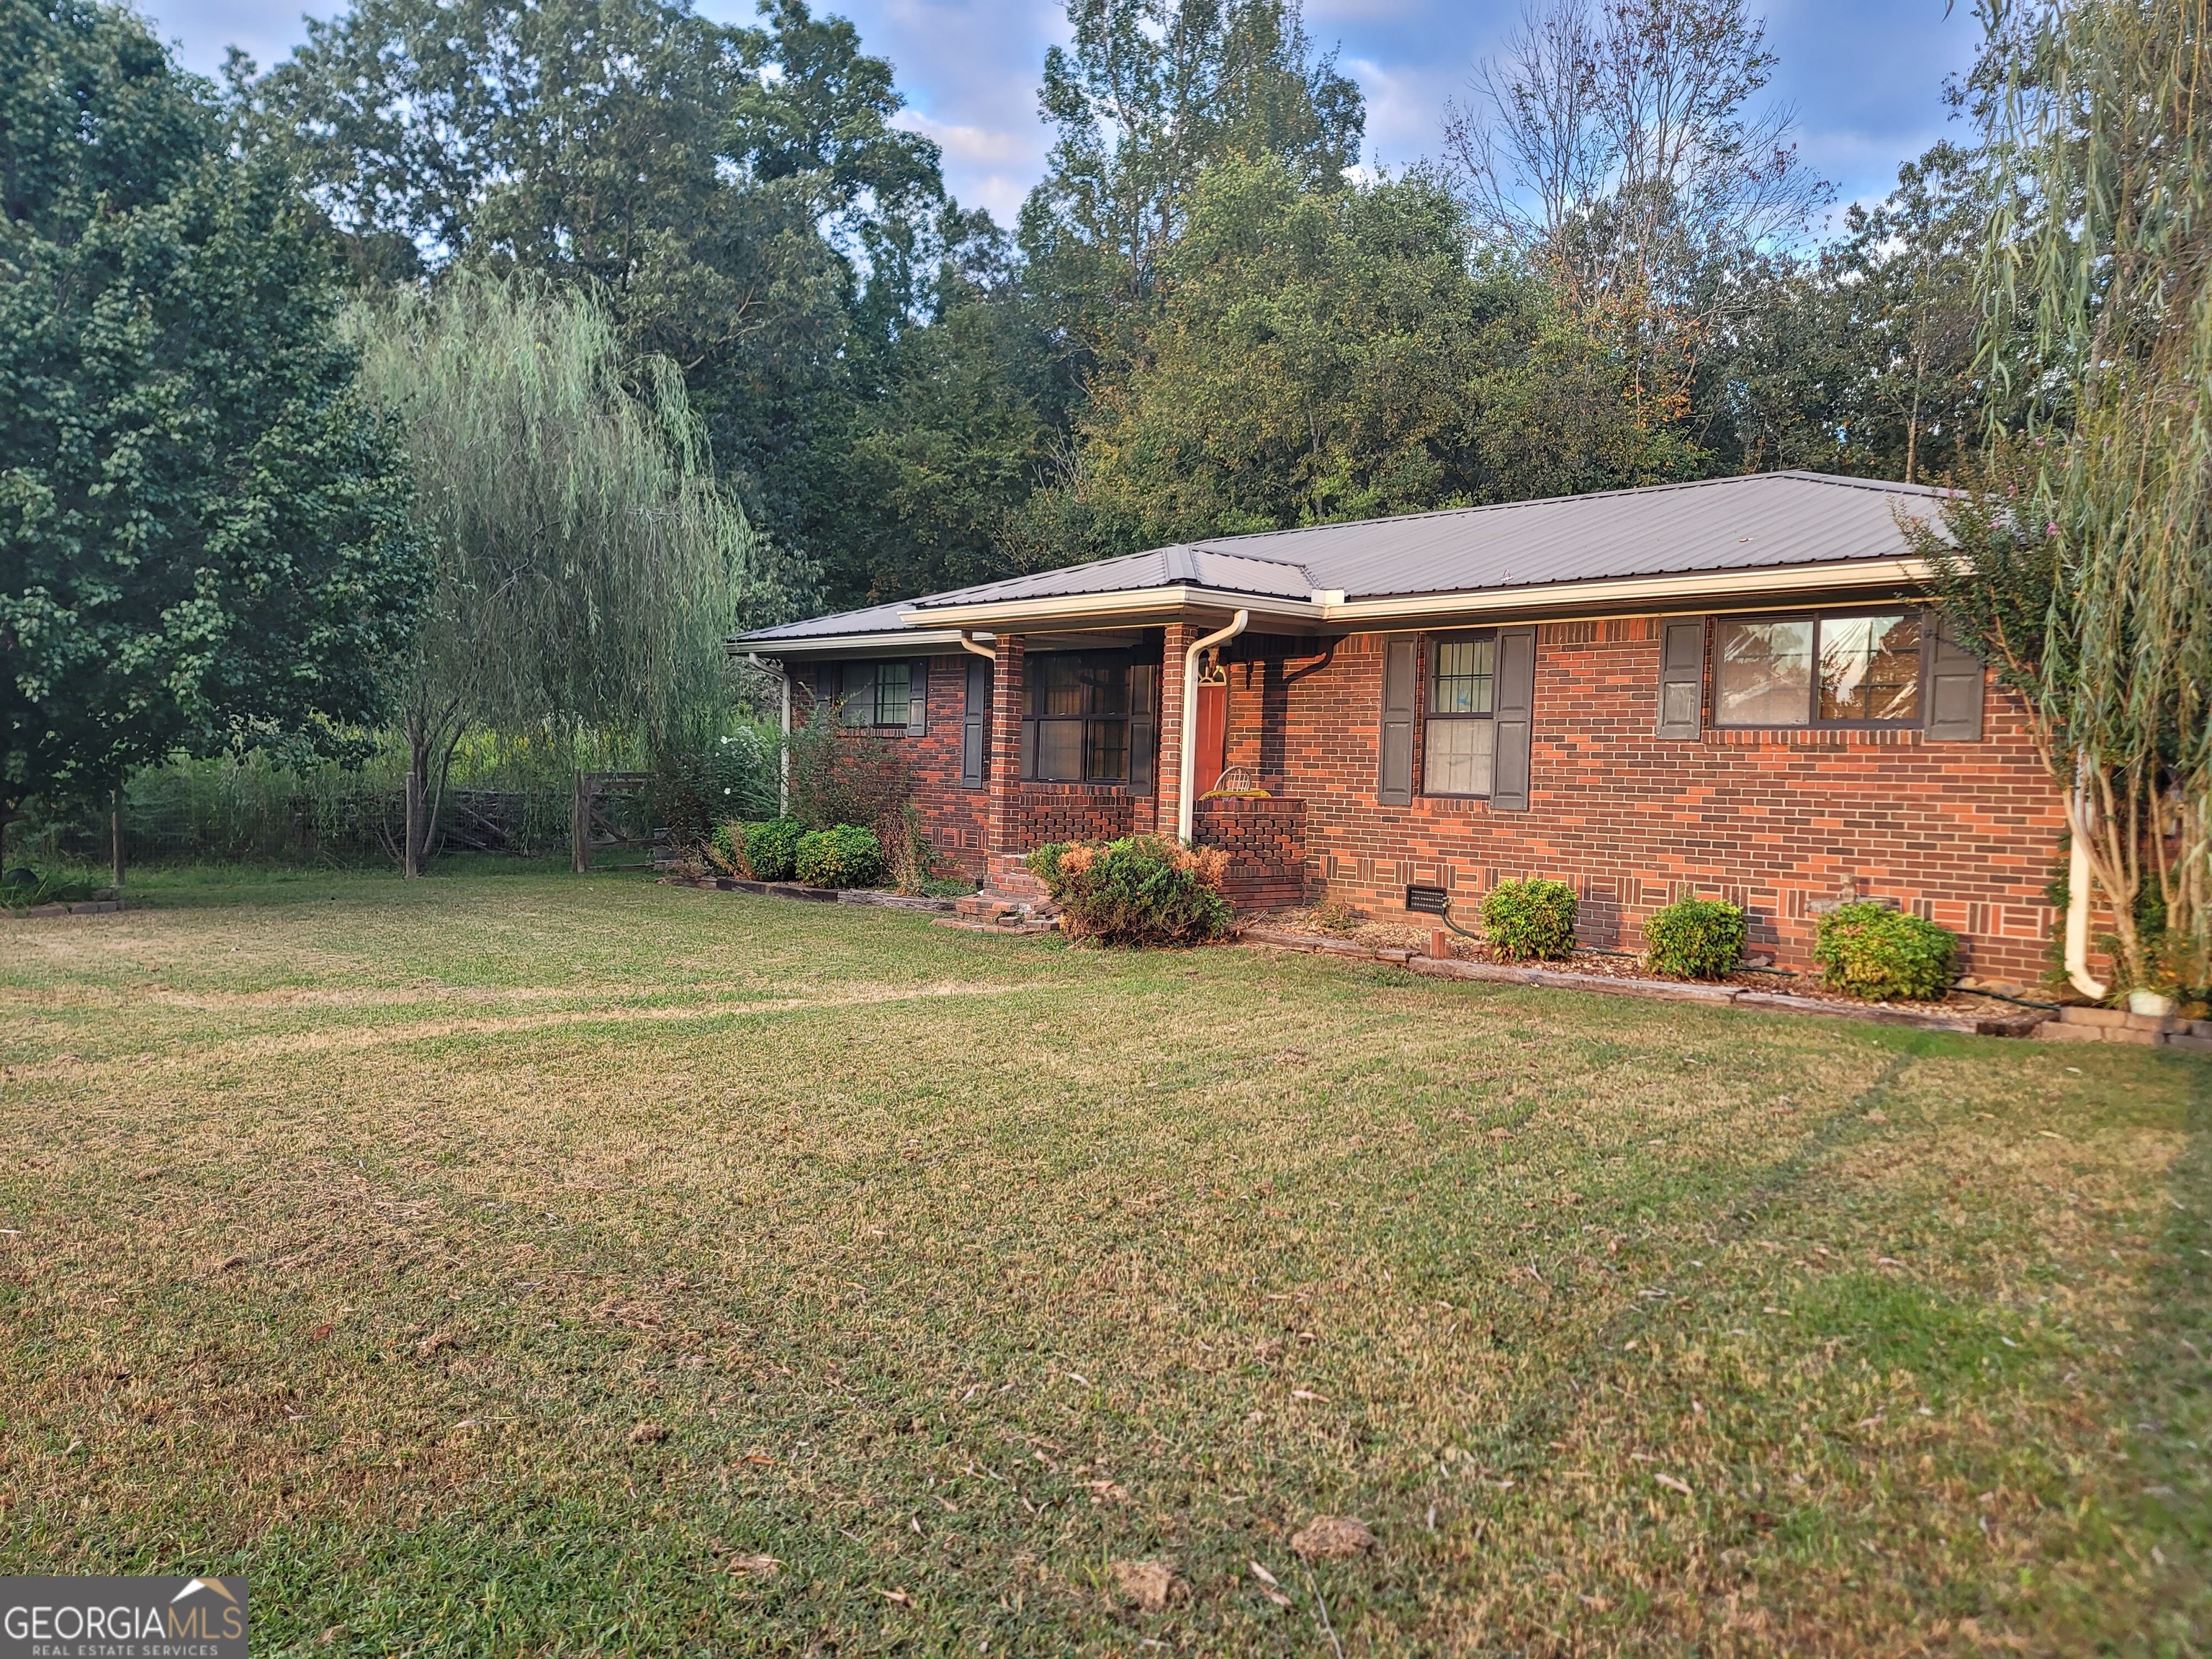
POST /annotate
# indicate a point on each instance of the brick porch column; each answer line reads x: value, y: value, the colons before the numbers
x: 1000, y: 837
x: 1167, y: 777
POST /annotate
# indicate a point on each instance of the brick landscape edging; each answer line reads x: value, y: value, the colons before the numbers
x: 1663, y: 990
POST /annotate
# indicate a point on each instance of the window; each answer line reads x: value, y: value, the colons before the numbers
x: 1831, y: 669
x: 875, y: 694
x: 1460, y: 736
x: 1086, y: 718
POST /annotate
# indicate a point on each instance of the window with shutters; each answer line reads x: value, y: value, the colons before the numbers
x: 1832, y: 669
x: 875, y: 694
x: 1458, y: 743
x: 1086, y: 715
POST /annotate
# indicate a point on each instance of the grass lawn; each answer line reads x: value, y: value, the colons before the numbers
x: 506, y: 1263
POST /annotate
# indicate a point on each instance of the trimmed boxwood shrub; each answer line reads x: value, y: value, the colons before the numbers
x: 1140, y: 891
x: 846, y: 856
x: 772, y: 848
x: 1872, y: 951
x: 1695, y: 939
x: 1526, y: 920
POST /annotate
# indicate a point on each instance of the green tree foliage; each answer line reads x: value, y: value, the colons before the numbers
x: 738, y: 195
x: 2083, y: 564
x: 1318, y: 355
x: 588, y: 566
x: 1149, y: 94
x: 203, y: 532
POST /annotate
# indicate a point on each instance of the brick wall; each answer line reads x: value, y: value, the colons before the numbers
x: 1964, y: 834
x: 956, y: 818
x: 1041, y: 812
x: 1266, y: 840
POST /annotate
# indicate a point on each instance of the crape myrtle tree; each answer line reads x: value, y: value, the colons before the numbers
x: 204, y: 536
x: 2081, y: 564
x: 587, y: 565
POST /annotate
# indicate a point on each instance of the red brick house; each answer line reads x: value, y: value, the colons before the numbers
x: 1724, y: 688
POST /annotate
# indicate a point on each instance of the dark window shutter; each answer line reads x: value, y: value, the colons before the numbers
x: 975, y: 723
x: 1516, y: 718
x: 917, y: 697
x: 1682, y: 678
x: 1144, y: 724
x: 1951, y: 710
x: 1400, y: 657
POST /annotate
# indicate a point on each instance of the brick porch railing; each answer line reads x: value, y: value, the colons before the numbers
x: 1266, y: 840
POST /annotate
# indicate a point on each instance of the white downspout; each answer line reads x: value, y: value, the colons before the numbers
x: 783, y: 755
x: 1187, y: 770
x: 2077, y: 891
x: 966, y: 643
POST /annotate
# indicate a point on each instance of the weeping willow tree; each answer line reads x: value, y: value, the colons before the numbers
x: 588, y: 567
x: 2081, y: 564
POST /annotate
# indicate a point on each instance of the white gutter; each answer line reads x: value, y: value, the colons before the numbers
x: 1330, y: 606
x: 1125, y: 603
x: 2079, y: 814
x: 1804, y: 579
x: 891, y: 642
x: 1187, y: 772
x: 783, y: 755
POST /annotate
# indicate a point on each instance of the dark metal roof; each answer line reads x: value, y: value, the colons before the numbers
x: 876, y: 619
x: 1746, y: 523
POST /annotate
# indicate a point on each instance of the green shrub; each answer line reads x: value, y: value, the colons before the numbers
x: 1525, y: 920
x: 772, y: 848
x: 1140, y: 891
x: 1872, y: 951
x: 1695, y: 939
x: 846, y: 856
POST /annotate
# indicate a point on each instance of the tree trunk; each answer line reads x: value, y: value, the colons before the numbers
x: 415, y: 836
x: 115, y: 837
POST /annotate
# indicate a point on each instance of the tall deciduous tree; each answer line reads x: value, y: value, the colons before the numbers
x: 739, y: 196
x: 1619, y: 146
x: 588, y: 566
x: 202, y: 532
x: 1318, y: 355
x: 1148, y: 96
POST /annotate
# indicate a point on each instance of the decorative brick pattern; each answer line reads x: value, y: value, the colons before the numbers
x: 1266, y: 840
x: 1041, y: 813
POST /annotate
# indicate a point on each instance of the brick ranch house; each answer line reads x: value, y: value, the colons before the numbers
x: 1723, y: 687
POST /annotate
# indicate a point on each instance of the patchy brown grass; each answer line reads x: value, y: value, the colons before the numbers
x: 524, y: 1264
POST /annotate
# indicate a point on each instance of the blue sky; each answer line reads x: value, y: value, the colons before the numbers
x: 1865, y: 76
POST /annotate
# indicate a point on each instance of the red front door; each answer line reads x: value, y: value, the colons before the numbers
x: 1212, y: 738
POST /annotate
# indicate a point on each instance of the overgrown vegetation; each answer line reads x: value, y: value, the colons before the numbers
x: 1137, y: 891
x: 1529, y: 920
x: 843, y: 855
x: 596, y: 1240
x: 1695, y: 939
x: 1871, y: 950
x: 2081, y: 562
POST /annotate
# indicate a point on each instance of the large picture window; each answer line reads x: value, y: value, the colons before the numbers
x: 1460, y: 735
x: 1856, y: 668
x: 1086, y: 717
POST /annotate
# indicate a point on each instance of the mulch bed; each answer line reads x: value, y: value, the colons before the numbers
x: 1960, y: 1009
